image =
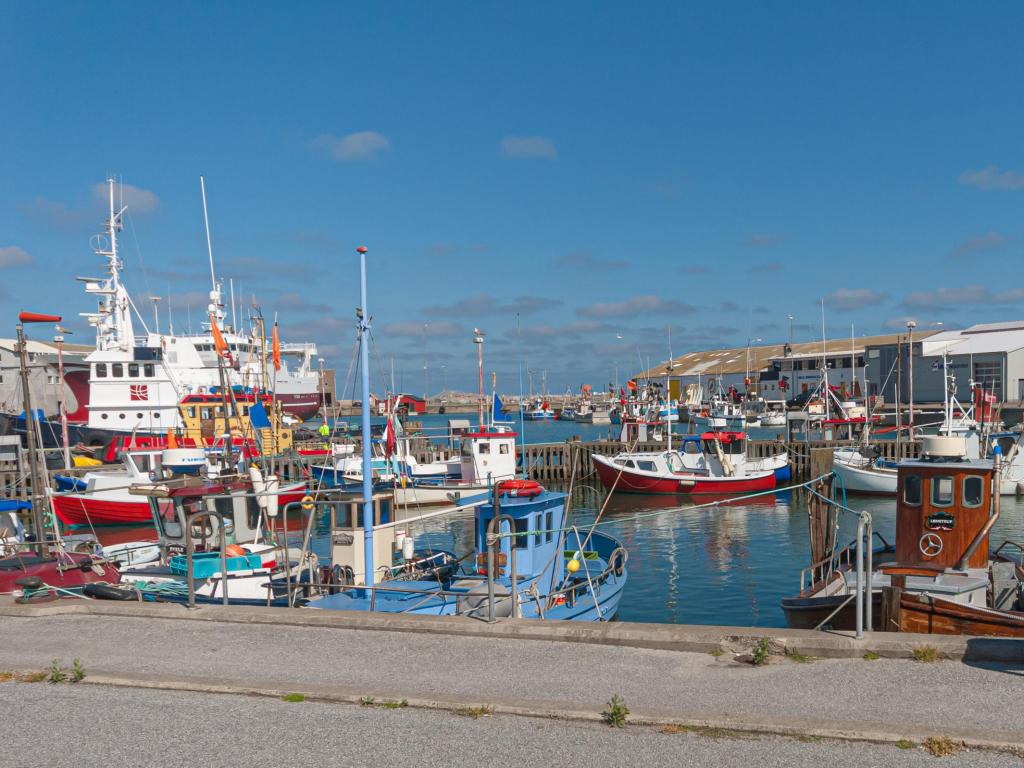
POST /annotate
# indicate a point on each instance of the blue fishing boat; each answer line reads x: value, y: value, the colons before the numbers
x: 526, y: 563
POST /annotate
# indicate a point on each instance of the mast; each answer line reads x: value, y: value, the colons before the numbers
x: 215, y: 308
x: 363, y: 317
x: 910, y: 374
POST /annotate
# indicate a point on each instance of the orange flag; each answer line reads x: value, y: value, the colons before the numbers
x: 218, y: 341
x: 276, y: 349
x: 172, y: 440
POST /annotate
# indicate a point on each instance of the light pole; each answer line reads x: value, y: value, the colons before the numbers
x: 746, y: 376
x: 59, y: 341
x: 478, y: 339
x: 363, y: 317
x: 910, y: 369
x: 426, y: 375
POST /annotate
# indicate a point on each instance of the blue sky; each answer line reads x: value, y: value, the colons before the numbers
x: 603, y: 170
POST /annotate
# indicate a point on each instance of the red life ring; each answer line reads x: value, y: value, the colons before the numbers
x: 527, y: 488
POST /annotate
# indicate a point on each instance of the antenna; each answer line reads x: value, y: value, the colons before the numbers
x: 209, y: 244
x: 234, y: 320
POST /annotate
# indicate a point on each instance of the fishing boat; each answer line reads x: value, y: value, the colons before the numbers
x: 526, y: 563
x: 104, y: 497
x: 538, y: 409
x: 722, y: 412
x: 942, y: 578
x: 720, y: 467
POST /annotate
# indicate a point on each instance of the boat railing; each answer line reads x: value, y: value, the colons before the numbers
x: 1010, y: 543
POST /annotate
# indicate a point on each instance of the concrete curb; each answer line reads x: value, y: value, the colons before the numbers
x: 703, y: 723
x: 669, y: 637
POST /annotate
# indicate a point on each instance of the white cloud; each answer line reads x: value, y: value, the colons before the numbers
x: 637, y: 305
x: 990, y: 241
x: 967, y: 294
x: 845, y: 299
x: 362, y: 145
x: 422, y: 331
x: 137, y: 199
x: 528, y: 146
x: 992, y: 178
x: 13, y: 256
x: 764, y: 240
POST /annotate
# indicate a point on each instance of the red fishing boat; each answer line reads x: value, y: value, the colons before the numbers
x: 666, y: 472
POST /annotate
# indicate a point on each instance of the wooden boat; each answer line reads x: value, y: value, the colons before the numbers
x: 942, y: 578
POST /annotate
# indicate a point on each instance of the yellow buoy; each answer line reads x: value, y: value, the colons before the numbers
x: 307, y: 502
x: 573, y: 565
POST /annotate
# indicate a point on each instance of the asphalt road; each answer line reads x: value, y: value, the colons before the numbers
x: 50, y: 726
x: 938, y: 695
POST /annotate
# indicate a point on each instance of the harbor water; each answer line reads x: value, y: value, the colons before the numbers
x: 689, y: 563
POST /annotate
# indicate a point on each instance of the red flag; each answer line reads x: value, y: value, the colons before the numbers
x: 389, y: 439
x: 275, y: 347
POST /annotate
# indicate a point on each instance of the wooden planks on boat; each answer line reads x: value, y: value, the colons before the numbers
x: 930, y: 615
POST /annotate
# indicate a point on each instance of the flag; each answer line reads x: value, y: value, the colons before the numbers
x: 631, y: 384
x: 172, y: 441
x: 389, y: 438
x: 275, y: 347
x: 218, y: 341
x: 498, y: 411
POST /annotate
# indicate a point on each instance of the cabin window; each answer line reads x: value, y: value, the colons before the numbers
x: 191, y: 412
x: 133, y: 370
x: 485, y: 449
x: 549, y: 523
x: 503, y: 449
x: 942, y: 490
x: 101, y: 370
x: 148, y: 370
x: 691, y: 447
x: 538, y: 530
x: 117, y: 370
x: 647, y: 466
x: 630, y: 464
x: 522, y: 526
x: 912, y: 490
x: 974, y: 490
x: 204, y: 413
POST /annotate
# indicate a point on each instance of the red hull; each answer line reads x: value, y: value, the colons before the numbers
x: 632, y: 482
x: 85, y: 510
x: 29, y: 564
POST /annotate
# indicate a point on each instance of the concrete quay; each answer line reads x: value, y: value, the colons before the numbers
x: 816, y: 686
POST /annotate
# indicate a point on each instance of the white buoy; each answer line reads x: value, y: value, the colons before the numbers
x: 408, y: 548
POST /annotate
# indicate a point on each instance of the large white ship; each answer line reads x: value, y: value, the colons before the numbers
x: 135, y: 382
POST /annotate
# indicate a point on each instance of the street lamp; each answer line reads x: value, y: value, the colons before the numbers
x: 746, y: 376
x: 59, y: 341
x: 478, y: 339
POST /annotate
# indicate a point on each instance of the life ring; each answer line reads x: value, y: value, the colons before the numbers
x: 525, y: 488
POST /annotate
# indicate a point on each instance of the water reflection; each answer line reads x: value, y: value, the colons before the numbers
x: 730, y: 563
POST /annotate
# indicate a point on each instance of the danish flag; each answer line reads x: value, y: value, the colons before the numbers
x: 138, y: 392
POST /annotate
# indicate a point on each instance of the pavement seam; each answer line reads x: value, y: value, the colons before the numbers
x: 697, y: 639
x: 699, y: 723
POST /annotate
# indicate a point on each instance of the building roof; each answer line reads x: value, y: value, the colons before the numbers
x: 977, y: 340
x: 48, y: 347
x: 733, y: 360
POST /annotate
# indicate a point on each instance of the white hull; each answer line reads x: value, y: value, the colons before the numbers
x: 864, y: 479
x: 446, y: 493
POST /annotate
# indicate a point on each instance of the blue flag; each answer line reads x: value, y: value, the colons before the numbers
x: 498, y: 417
